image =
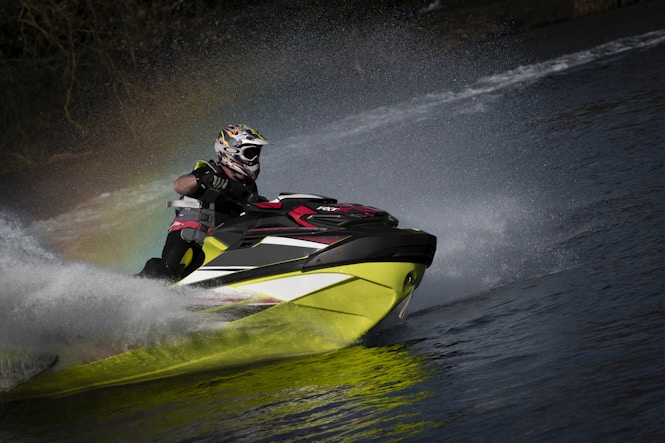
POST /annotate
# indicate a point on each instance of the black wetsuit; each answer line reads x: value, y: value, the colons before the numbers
x: 196, y: 215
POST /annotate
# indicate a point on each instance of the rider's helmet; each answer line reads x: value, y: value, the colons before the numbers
x: 238, y: 147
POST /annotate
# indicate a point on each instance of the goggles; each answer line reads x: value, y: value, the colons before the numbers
x: 247, y: 153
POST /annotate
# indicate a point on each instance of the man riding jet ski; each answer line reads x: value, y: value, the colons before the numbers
x: 297, y: 275
x: 213, y: 193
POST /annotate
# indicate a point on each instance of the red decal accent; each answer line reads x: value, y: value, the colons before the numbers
x: 276, y: 228
x: 328, y: 240
x: 367, y: 211
x: 178, y: 225
x: 268, y: 205
x: 300, y: 212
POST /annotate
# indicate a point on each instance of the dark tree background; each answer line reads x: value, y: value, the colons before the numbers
x: 62, y: 57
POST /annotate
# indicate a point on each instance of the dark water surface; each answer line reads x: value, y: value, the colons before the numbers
x: 543, y: 316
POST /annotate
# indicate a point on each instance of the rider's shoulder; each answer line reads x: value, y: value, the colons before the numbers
x: 202, y: 164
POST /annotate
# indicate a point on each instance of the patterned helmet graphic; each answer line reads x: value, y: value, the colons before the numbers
x: 238, y: 147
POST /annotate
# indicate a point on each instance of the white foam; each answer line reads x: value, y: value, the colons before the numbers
x: 49, y: 304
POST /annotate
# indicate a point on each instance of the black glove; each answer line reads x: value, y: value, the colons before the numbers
x: 211, y: 180
x: 241, y: 194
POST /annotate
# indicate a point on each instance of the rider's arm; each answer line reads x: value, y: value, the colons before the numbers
x: 185, y: 184
x: 236, y: 192
x: 191, y: 186
x: 198, y: 182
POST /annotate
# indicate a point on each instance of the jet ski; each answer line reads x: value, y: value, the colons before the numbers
x: 301, y: 274
x: 313, y: 251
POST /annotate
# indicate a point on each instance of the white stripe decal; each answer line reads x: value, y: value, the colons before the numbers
x: 207, y: 273
x: 290, y: 288
x: 286, y: 241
